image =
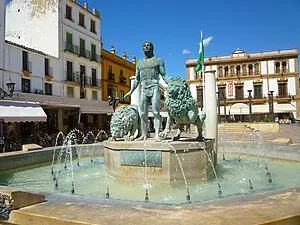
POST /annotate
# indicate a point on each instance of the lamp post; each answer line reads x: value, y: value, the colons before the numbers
x: 112, y: 101
x: 250, y: 105
x: 271, y: 105
x: 219, y: 110
x: 11, y: 87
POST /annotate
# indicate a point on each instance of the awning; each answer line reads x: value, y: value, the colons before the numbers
x: 239, y: 109
x: 95, y: 110
x: 15, y: 111
x: 284, y: 108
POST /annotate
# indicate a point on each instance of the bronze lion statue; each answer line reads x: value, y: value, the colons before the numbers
x: 182, y: 109
x: 125, y: 123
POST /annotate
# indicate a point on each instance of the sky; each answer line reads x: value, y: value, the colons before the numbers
x: 174, y: 27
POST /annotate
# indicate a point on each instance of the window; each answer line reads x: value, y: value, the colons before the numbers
x: 25, y: 60
x: 82, y: 47
x: 258, y: 91
x: 111, y: 76
x: 69, y: 71
x: 48, y: 89
x: 284, y: 67
x: 232, y: 70
x: 93, y: 51
x: 110, y: 90
x: 200, y: 96
x: 282, y: 90
x: 25, y: 85
x: 69, y: 41
x: 70, y: 92
x: 81, y: 19
x: 69, y: 12
x: 222, y: 93
x: 93, y: 26
x: 226, y: 71
x: 47, y: 69
x: 94, y: 77
x: 250, y: 69
x: 256, y: 69
x: 82, y: 81
x: 244, y: 69
x: 220, y: 71
x: 94, y: 95
x: 239, y: 92
x: 238, y: 70
x: 122, y: 96
x: 277, y: 67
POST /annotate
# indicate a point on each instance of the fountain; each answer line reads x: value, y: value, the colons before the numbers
x: 179, y: 175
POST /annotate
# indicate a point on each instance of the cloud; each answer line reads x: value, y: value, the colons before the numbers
x: 206, y: 41
x: 185, y: 51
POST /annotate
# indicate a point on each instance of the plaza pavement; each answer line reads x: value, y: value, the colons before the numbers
x: 286, y: 131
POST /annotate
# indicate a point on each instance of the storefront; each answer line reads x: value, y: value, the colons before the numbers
x: 19, y: 123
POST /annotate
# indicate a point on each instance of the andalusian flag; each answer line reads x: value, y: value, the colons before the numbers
x: 200, y: 62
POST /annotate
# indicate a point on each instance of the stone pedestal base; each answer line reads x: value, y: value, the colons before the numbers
x: 159, y: 161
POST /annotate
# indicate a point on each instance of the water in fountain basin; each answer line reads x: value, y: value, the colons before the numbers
x: 91, y: 179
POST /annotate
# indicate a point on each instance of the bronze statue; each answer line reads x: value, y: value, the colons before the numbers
x: 147, y: 74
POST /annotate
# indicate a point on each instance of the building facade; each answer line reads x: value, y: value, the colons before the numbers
x: 2, y: 41
x: 69, y: 31
x: 116, y: 73
x: 270, y: 79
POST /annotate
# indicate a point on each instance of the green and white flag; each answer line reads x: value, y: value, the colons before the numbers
x: 200, y: 62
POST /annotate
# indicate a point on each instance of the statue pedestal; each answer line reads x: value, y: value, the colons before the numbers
x: 159, y: 161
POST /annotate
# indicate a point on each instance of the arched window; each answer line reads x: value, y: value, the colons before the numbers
x: 232, y: 71
x: 220, y: 71
x: 244, y: 69
x: 226, y: 71
x: 284, y: 67
x: 238, y: 70
x: 256, y: 68
x: 250, y: 69
x: 277, y: 67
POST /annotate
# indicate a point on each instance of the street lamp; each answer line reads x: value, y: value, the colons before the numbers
x: 271, y: 105
x: 250, y: 105
x: 112, y: 101
x: 11, y: 87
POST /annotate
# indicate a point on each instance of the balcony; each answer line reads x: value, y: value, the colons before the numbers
x: 49, y: 74
x: 95, y: 57
x: 27, y: 69
x: 122, y: 80
x: 111, y: 76
x: 69, y: 47
x: 255, y: 101
x: 73, y: 77
x: 96, y: 82
x: 283, y: 99
x: 84, y: 53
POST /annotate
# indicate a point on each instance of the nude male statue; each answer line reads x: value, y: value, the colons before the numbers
x: 147, y: 74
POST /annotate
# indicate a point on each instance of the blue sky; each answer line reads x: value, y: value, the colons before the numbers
x: 174, y: 27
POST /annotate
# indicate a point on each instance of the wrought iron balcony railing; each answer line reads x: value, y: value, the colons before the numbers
x: 69, y: 47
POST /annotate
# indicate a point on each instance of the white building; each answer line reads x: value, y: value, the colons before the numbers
x: 66, y: 32
x: 264, y: 74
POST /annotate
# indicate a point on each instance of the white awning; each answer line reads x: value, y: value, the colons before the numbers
x: 15, y: 111
x: 284, y: 108
x: 239, y: 109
